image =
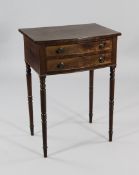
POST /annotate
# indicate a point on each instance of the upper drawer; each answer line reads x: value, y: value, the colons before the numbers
x: 76, y: 49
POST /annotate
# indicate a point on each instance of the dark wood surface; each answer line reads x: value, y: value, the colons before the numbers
x: 91, y: 88
x: 43, y: 113
x: 66, y: 49
x: 77, y: 57
x: 78, y: 63
x: 68, y: 33
x: 79, y: 49
x: 111, y: 101
x: 30, y: 98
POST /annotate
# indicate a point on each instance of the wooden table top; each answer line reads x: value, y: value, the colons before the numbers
x: 69, y: 33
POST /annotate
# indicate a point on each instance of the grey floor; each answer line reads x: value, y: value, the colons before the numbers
x: 74, y: 145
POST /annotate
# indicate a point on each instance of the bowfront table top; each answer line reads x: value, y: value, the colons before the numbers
x: 70, y: 33
x: 66, y: 49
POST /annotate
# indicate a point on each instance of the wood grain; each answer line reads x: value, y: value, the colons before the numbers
x: 43, y: 113
x: 66, y: 49
x: 30, y: 98
x: 78, y: 49
x: 91, y: 88
x: 68, y: 34
x: 77, y: 63
x: 111, y: 101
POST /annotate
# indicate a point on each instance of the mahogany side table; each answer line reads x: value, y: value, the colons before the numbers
x: 66, y: 49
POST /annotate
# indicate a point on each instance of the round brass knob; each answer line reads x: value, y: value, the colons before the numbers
x: 101, y: 59
x: 102, y: 45
x: 60, y: 65
x: 60, y: 50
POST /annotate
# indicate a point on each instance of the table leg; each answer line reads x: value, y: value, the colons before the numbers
x: 43, y: 113
x: 91, y: 83
x: 30, y: 103
x: 111, y: 101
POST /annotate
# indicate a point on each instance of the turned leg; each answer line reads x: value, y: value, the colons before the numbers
x: 43, y: 113
x: 111, y: 101
x: 91, y: 82
x: 30, y: 103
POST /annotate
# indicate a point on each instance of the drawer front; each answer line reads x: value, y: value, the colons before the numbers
x: 58, y: 65
x: 77, y: 49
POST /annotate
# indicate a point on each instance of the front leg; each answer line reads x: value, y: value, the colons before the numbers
x: 30, y: 103
x: 43, y: 113
x: 111, y: 101
x: 91, y: 83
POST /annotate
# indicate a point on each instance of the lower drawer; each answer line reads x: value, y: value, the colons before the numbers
x: 78, y: 63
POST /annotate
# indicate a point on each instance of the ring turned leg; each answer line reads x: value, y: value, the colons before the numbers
x: 91, y: 82
x: 43, y: 113
x: 30, y: 103
x: 111, y: 101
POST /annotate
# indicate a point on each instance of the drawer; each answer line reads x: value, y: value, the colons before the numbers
x: 77, y: 63
x: 78, y: 49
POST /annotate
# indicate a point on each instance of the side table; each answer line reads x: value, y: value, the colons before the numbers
x: 67, y: 49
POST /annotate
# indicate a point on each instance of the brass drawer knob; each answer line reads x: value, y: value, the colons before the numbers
x: 60, y: 65
x: 101, y: 59
x: 60, y: 50
x: 102, y: 45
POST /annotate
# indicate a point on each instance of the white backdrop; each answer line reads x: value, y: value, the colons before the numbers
x: 74, y: 146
